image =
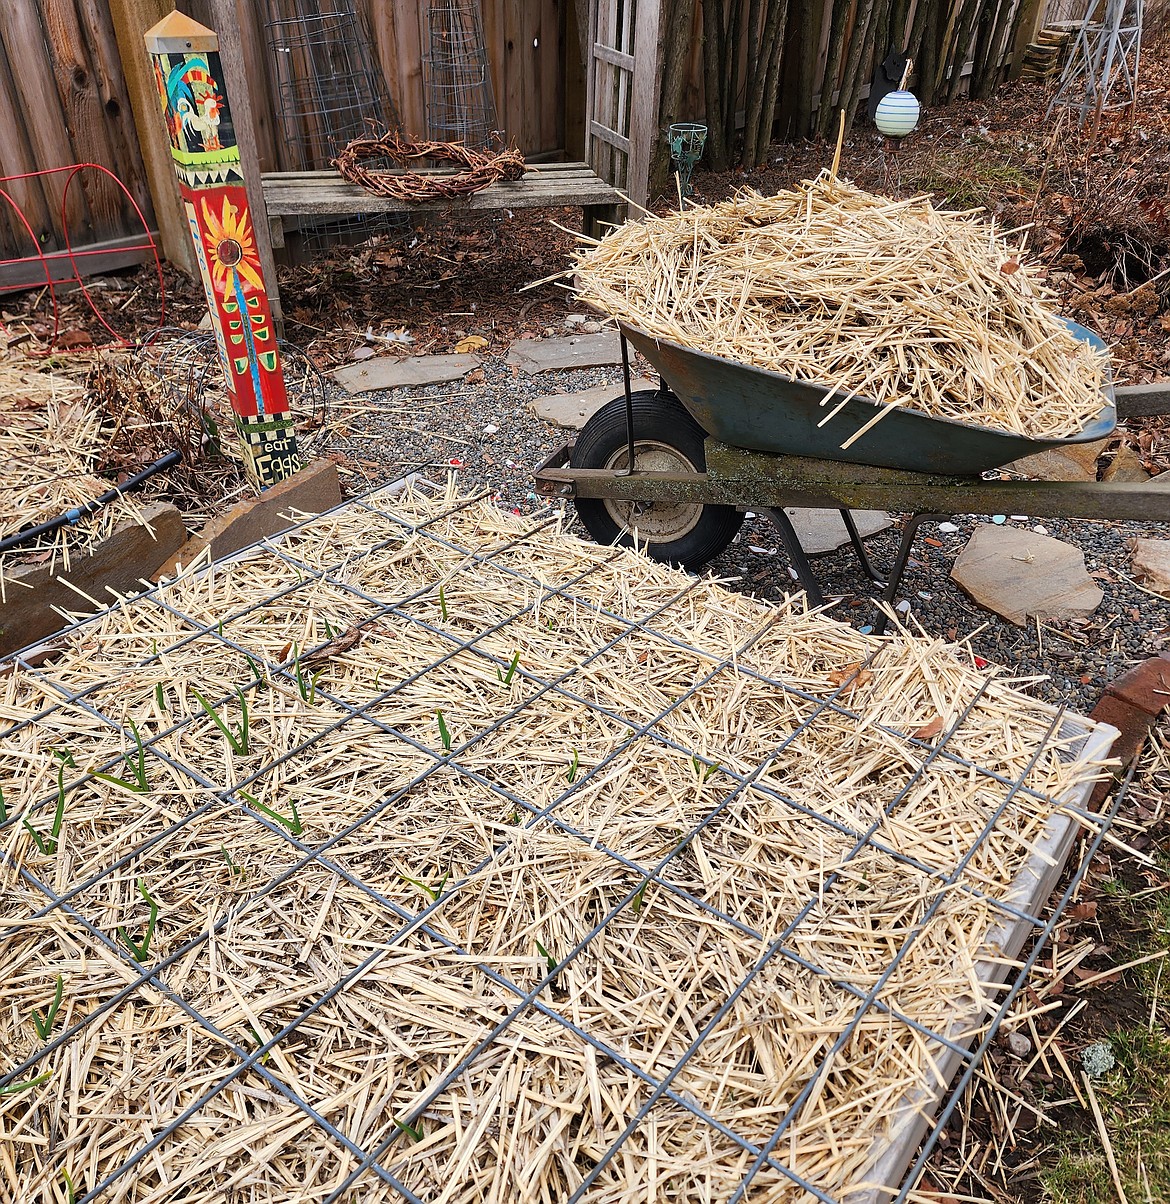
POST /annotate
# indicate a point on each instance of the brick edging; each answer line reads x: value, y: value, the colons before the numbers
x: 1132, y: 704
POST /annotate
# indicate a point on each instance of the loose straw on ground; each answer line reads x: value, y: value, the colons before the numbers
x: 891, y: 300
x: 50, y: 441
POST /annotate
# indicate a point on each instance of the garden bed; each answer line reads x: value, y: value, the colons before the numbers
x: 437, y: 855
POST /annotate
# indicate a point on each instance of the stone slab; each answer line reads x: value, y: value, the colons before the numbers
x: 313, y: 490
x: 387, y: 372
x: 822, y: 531
x: 121, y: 564
x: 1126, y: 466
x: 1018, y: 574
x: 572, y: 410
x: 1076, y: 462
x: 576, y: 351
x: 1151, y: 563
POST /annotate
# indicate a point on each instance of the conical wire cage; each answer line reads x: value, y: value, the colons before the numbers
x: 460, y: 102
x: 1102, y: 70
x: 328, y: 89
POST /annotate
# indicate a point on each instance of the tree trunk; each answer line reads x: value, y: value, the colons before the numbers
x: 676, y: 53
x: 771, y: 86
x: 840, y: 19
x: 764, y: 83
x: 860, y: 53
x: 713, y: 38
x: 809, y: 40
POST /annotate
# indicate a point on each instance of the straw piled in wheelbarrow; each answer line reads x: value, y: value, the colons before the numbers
x: 890, y: 300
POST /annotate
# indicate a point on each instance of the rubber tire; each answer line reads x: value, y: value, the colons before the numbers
x: 658, y: 416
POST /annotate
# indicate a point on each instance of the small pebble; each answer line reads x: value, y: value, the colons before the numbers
x: 1040, y: 530
x: 999, y: 519
x: 490, y: 429
x: 903, y: 607
x: 1019, y: 518
x: 793, y: 574
x: 866, y: 630
x: 947, y: 528
x: 924, y: 595
x: 762, y: 551
x: 591, y: 327
x: 1019, y: 1044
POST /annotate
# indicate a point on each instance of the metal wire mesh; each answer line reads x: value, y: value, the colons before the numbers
x: 1102, y: 70
x: 329, y: 90
x: 264, y: 1063
x: 460, y: 102
x: 187, y: 365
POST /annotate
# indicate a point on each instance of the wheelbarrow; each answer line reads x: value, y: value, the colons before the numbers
x: 672, y: 469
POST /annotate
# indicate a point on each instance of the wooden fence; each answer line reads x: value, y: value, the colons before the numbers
x: 526, y: 52
x: 63, y: 101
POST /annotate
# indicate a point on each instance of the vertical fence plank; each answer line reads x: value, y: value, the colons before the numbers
x: 643, y: 101
x: 39, y: 107
x: 110, y: 78
x: 549, y: 90
x: 86, y: 120
x: 17, y: 156
x: 131, y: 19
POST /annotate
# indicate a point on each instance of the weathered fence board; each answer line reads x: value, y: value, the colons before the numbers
x: 63, y: 101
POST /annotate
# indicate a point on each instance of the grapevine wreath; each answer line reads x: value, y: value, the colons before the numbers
x: 480, y: 167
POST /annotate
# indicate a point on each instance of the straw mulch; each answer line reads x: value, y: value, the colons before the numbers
x: 51, y: 440
x: 892, y: 301
x: 260, y: 919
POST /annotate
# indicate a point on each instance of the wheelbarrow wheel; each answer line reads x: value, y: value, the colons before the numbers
x: 666, y: 439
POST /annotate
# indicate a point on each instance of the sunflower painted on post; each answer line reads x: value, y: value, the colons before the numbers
x: 198, y: 118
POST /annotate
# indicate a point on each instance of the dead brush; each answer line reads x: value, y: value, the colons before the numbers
x: 146, y: 420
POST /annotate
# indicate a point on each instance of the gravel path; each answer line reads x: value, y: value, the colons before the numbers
x: 490, y: 436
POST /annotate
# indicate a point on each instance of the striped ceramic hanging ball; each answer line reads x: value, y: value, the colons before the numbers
x: 897, y: 113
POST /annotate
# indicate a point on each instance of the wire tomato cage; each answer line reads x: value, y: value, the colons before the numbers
x: 68, y: 266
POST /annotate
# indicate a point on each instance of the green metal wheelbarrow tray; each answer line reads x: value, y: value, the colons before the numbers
x: 753, y: 408
x: 761, y: 448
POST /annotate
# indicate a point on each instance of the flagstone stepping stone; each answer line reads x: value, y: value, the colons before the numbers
x: 388, y: 372
x: 1018, y: 574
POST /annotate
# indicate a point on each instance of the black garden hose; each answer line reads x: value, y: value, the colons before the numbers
x: 77, y: 513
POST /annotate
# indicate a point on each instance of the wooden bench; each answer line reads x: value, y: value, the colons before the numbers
x: 318, y: 194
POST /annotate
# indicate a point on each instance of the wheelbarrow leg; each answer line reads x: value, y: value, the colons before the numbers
x: 909, y: 532
x: 796, y: 555
x: 859, y: 548
x: 629, y: 468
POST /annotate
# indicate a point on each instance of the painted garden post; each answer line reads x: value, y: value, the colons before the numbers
x: 198, y: 118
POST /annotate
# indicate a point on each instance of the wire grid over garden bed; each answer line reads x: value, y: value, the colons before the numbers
x: 442, y: 857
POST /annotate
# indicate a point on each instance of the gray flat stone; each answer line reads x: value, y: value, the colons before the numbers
x: 1151, y: 563
x: 575, y: 351
x: 573, y: 410
x: 389, y: 373
x: 821, y: 531
x: 1017, y: 574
